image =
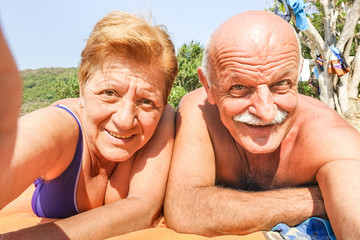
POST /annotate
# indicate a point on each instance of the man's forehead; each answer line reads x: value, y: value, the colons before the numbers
x: 253, y: 29
x: 255, y: 57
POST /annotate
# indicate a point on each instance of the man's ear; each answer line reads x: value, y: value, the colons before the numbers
x: 301, y: 67
x: 205, y: 83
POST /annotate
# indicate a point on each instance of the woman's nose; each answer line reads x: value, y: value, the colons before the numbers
x: 125, y: 116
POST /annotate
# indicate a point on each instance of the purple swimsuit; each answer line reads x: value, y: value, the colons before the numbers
x: 56, y: 198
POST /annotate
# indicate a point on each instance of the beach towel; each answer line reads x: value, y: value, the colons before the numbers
x: 312, y: 229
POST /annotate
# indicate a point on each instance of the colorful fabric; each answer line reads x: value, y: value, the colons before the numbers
x: 320, y: 62
x: 312, y: 229
x: 337, y: 64
x: 316, y: 72
x: 298, y: 8
x: 286, y: 15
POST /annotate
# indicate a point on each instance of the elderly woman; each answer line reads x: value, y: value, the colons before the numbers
x: 112, y: 146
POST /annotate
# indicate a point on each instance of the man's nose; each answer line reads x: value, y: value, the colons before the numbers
x: 125, y: 116
x: 262, y: 104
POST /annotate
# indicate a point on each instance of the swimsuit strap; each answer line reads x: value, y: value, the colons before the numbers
x: 56, y: 198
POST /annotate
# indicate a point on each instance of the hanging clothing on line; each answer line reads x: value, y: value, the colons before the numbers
x: 338, y: 64
x: 298, y: 8
x: 286, y: 15
x: 320, y: 62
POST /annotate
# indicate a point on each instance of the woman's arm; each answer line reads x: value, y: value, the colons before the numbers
x: 10, y: 102
x: 142, y: 207
x: 45, y: 143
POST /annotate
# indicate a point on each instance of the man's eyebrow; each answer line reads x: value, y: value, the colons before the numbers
x: 235, y: 76
x: 280, y: 75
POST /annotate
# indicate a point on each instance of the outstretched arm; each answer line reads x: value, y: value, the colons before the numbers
x: 140, y: 209
x: 193, y: 203
x: 10, y: 102
x: 339, y: 181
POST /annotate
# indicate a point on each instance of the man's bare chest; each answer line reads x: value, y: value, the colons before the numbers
x: 259, y: 173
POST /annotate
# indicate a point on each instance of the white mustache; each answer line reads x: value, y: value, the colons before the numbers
x: 251, y: 119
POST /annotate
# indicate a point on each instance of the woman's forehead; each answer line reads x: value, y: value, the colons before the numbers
x: 123, y: 68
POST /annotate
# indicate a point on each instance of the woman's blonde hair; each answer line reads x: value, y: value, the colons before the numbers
x: 121, y: 34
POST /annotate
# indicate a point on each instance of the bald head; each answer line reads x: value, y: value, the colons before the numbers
x: 258, y: 35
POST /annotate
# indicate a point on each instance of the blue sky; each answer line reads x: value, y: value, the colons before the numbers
x: 52, y: 33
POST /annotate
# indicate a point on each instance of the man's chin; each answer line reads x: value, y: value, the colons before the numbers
x: 261, y: 146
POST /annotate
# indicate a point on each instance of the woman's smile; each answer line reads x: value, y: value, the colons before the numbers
x: 120, y: 136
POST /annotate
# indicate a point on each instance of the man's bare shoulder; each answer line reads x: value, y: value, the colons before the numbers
x: 195, y: 106
x: 324, y: 134
x: 197, y: 99
x: 193, y: 99
x: 316, y: 114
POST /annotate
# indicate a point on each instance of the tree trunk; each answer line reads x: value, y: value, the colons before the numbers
x: 326, y: 88
x: 353, y: 86
x: 346, y: 86
x: 343, y: 90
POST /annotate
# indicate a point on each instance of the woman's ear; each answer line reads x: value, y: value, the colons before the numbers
x: 205, y: 82
x: 81, y: 99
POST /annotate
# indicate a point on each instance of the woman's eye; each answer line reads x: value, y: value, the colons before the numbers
x: 146, y: 101
x: 109, y: 93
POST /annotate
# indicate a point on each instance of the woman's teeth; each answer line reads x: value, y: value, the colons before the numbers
x: 119, y: 136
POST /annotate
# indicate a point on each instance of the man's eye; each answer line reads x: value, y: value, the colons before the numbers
x: 281, y: 87
x: 282, y: 83
x: 237, y: 87
x: 239, y: 90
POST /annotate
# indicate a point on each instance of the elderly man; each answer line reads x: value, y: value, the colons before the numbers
x: 250, y: 152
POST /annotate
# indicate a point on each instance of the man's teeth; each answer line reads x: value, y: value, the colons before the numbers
x: 119, y: 136
x: 260, y: 124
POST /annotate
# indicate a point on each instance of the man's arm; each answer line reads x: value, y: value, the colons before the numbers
x: 339, y: 181
x: 140, y: 209
x: 194, y: 205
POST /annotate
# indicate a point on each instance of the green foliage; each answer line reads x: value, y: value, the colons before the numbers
x: 177, y: 92
x: 189, y: 59
x: 307, y: 89
x: 317, y: 18
x: 68, y: 88
x: 41, y: 87
x: 33, y: 105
